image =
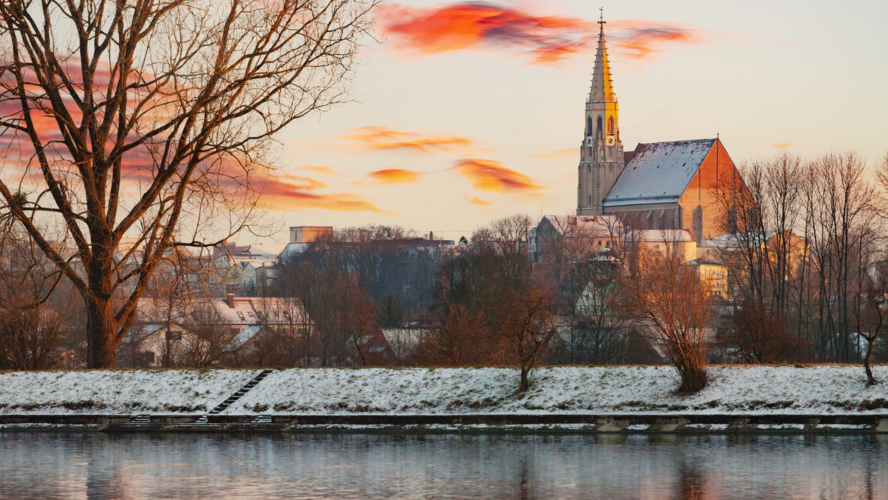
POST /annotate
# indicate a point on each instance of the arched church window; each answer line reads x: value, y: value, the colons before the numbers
x: 599, y: 125
x: 610, y: 126
x: 588, y: 125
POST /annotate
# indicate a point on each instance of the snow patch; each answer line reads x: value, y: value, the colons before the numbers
x: 567, y: 390
x: 118, y: 391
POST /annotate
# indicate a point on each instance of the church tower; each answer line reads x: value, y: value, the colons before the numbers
x: 601, y: 156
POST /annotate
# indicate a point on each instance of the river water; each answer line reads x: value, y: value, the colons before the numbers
x: 48, y: 465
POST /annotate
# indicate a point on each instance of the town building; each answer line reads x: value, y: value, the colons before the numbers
x: 663, y: 185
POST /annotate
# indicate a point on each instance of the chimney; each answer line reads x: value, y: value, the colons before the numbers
x: 231, y: 300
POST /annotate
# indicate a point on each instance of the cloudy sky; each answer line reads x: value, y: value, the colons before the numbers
x: 466, y: 112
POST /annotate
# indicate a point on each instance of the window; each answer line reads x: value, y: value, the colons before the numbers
x: 588, y: 125
x: 250, y: 313
x: 240, y: 315
x: 599, y: 242
x: 174, y: 336
x: 599, y: 124
x: 610, y: 126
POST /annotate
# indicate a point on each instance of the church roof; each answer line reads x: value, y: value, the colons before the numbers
x: 658, y: 172
x: 602, y: 85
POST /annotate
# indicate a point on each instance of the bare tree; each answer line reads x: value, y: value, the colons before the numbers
x: 870, y: 318
x: 209, y: 337
x: 753, y: 333
x: 528, y: 325
x: 461, y: 339
x: 150, y: 118
x: 32, y: 331
x: 841, y: 235
x: 676, y: 307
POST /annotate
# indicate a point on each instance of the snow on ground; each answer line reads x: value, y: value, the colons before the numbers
x: 828, y: 389
x: 118, y: 391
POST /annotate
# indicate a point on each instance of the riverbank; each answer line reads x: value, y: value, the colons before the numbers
x: 817, y: 398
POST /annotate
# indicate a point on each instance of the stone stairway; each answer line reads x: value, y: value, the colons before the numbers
x: 262, y: 420
x: 234, y: 397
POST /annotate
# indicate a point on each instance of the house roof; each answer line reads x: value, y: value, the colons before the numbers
x: 245, y: 335
x: 258, y: 310
x: 247, y: 311
x: 600, y: 225
x: 271, y: 250
x: 667, y: 235
x: 658, y: 172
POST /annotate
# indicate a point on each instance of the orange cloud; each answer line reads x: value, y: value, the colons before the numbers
x: 394, y: 176
x: 320, y: 170
x: 545, y: 39
x: 478, y: 201
x: 643, y: 39
x: 290, y: 192
x: 466, y: 26
x: 489, y: 175
x: 783, y: 145
x: 386, y: 138
x: 558, y: 153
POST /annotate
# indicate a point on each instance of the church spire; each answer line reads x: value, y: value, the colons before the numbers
x: 602, y: 86
x: 601, y: 155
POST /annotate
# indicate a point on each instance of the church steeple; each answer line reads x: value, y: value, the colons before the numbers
x: 601, y: 157
x: 602, y: 85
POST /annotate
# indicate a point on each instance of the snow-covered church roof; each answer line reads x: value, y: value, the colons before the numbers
x: 658, y: 172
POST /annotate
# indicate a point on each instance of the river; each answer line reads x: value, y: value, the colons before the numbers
x: 50, y: 465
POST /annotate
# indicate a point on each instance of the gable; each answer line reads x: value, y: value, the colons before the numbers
x: 658, y: 172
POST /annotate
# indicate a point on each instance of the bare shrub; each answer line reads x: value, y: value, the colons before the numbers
x: 753, y: 333
x: 674, y: 306
x: 527, y: 327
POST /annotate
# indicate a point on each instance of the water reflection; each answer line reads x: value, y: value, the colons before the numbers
x: 100, y: 466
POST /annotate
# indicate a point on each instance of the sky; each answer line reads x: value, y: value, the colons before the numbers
x: 468, y: 112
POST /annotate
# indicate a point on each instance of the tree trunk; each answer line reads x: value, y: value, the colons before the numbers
x: 693, y: 377
x: 870, y: 379
x: 525, y: 383
x: 101, y: 333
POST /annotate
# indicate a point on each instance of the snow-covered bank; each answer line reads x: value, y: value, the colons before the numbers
x: 118, y: 391
x: 733, y: 390
x: 824, y: 389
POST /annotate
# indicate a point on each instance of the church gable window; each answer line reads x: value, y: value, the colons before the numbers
x: 610, y: 126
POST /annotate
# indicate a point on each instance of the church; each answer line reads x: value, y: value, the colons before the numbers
x: 660, y: 185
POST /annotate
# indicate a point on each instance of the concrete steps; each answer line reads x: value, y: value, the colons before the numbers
x: 234, y: 397
x: 262, y: 420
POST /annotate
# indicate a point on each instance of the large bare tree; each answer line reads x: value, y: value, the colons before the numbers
x: 152, y: 119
